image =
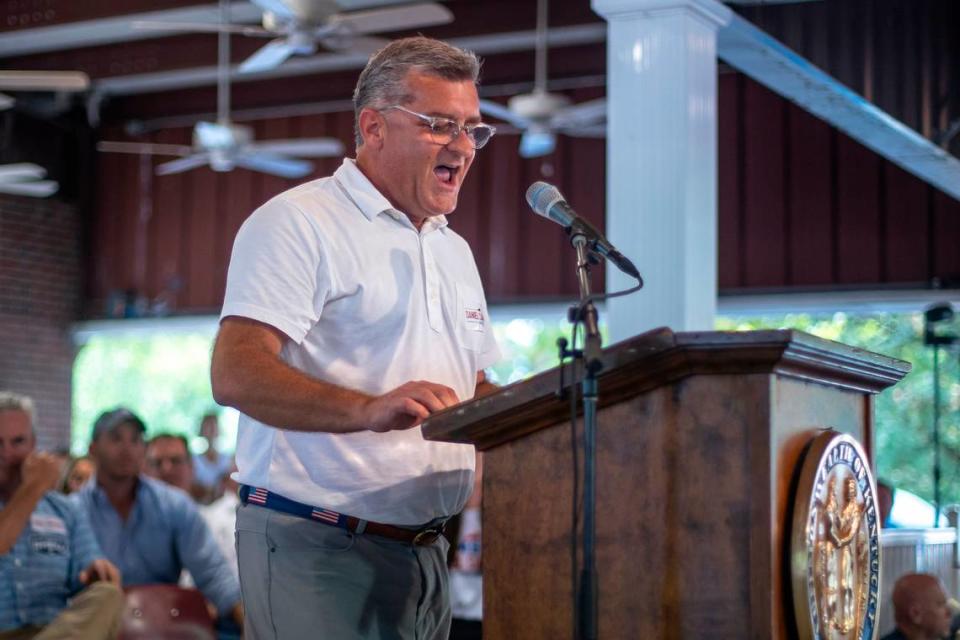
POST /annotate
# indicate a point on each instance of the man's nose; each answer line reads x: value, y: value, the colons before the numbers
x: 461, y: 144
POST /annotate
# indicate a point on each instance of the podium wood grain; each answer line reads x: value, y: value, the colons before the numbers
x: 698, y: 439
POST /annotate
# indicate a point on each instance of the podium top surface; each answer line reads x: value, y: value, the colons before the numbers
x: 661, y: 357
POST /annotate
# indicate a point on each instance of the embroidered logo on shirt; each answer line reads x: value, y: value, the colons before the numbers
x: 474, y: 318
x: 54, y: 544
x: 47, y: 524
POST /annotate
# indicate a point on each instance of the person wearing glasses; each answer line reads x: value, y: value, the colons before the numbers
x: 352, y: 313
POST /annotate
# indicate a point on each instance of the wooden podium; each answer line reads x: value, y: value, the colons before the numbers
x: 698, y: 439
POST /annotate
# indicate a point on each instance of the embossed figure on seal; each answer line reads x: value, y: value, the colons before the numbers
x: 840, y: 559
x: 835, y: 549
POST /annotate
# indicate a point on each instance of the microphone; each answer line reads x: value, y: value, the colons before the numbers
x: 546, y: 200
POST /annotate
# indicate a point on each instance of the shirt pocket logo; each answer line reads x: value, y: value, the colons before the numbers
x: 48, y: 544
x: 47, y: 524
x: 471, y: 322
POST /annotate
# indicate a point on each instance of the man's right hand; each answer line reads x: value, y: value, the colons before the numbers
x: 406, y: 406
x: 41, y: 470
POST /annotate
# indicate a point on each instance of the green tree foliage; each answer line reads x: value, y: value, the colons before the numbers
x: 904, y: 414
x: 163, y: 378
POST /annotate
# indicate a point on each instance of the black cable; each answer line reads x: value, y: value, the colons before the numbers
x: 599, y: 297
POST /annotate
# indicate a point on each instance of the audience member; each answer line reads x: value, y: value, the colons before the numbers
x: 920, y: 608
x: 211, y: 466
x: 79, y: 470
x: 884, y: 502
x: 169, y: 460
x: 48, y: 553
x: 149, y: 529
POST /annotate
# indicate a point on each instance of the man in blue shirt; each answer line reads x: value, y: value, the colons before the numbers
x: 150, y: 530
x: 48, y: 553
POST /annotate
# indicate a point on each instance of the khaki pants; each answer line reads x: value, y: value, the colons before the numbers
x: 94, y: 614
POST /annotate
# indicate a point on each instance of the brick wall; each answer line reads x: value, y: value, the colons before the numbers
x: 40, y: 287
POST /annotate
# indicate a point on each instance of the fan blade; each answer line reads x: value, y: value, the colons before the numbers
x: 498, y: 110
x: 305, y: 148
x: 423, y: 14
x: 584, y: 113
x: 148, y: 148
x: 354, y: 44
x: 44, y: 81
x: 38, y: 189
x: 276, y: 7
x: 268, y: 56
x: 202, y: 27
x: 183, y: 164
x: 20, y: 171
x: 589, y: 131
x: 274, y: 164
x: 6, y: 101
x: 534, y: 143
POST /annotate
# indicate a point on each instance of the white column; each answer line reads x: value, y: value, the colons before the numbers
x: 662, y: 160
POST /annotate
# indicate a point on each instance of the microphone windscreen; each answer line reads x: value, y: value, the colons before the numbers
x: 541, y: 196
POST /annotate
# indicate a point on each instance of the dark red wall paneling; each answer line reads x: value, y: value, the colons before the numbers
x: 858, y: 214
x: 764, y: 210
x: 729, y: 181
x: 808, y: 195
x: 907, y: 226
x: 801, y: 206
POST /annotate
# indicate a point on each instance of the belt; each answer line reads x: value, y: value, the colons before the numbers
x: 263, y: 498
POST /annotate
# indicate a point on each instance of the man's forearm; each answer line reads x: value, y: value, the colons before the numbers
x: 269, y: 390
x: 16, y: 513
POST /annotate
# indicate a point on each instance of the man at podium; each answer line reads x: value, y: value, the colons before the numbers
x: 353, y: 312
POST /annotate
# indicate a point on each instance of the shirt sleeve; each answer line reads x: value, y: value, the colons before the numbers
x: 83, y: 544
x: 203, y: 559
x: 277, y: 272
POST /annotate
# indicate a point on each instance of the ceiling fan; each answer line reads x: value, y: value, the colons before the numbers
x: 299, y: 26
x: 540, y: 115
x: 224, y: 145
x: 26, y: 179
x: 55, y: 81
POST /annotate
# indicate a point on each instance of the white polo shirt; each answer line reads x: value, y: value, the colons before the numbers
x: 368, y: 303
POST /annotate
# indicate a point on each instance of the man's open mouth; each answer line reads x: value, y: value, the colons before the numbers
x: 447, y: 173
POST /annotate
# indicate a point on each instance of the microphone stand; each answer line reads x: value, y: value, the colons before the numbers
x: 934, y: 315
x: 586, y: 312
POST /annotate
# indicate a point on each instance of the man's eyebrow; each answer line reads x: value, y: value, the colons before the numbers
x: 449, y: 116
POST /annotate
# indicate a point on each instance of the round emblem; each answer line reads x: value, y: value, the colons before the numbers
x: 835, y: 548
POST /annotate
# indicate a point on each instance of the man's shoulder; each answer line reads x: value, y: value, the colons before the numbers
x: 306, y: 197
x: 58, y: 505
x: 165, y: 494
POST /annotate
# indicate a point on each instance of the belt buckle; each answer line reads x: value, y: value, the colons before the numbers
x: 427, y: 536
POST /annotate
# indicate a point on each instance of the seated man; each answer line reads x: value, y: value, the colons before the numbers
x: 47, y: 550
x: 150, y: 530
x: 920, y: 608
x: 168, y: 459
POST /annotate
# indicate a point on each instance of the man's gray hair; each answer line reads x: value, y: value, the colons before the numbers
x: 10, y: 401
x: 381, y: 82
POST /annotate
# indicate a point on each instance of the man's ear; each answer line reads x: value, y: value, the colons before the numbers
x: 916, y: 614
x: 373, y: 128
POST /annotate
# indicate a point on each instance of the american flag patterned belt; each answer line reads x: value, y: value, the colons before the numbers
x: 261, y: 497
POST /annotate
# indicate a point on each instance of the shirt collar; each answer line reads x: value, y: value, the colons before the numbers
x: 370, y: 201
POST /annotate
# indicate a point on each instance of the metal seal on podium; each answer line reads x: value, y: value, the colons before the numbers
x: 835, y: 545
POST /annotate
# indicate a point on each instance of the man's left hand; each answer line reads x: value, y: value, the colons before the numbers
x: 100, y: 569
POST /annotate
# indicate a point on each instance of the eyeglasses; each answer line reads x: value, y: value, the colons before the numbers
x: 443, y: 131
